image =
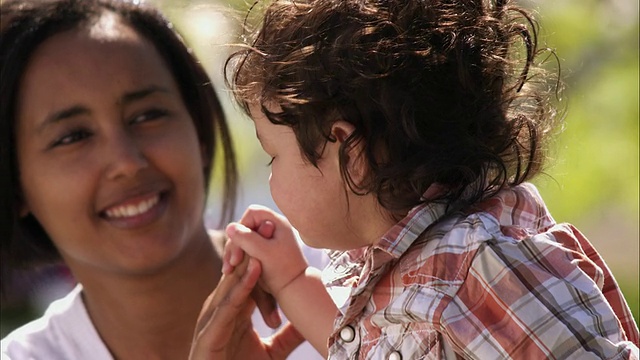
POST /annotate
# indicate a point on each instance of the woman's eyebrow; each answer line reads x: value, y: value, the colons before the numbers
x: 140, y: 94
x: 76, y: 110
x: 61, y: 115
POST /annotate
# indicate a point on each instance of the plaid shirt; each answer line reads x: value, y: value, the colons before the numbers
x: 502, y: 281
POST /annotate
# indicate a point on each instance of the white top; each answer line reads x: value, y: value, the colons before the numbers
x: 65, y: 331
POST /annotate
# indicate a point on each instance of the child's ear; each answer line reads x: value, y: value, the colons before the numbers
x: 355, y: 162
x: 341, y: 130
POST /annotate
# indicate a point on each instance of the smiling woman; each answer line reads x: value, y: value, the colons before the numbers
x: 93, y: 144
x: 109, y: 128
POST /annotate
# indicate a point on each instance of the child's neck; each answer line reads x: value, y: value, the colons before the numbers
x: 371, y: 221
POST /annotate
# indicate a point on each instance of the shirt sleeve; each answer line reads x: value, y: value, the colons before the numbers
x: 532, y: 299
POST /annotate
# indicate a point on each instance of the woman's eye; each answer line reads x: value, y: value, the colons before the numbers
x: 71, y: 138
x: 149, y: 115
x: 271, y: 161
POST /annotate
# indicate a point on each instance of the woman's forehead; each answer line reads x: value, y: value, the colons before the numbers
x: 109, y: 27
x: 74, y: 67
x: 106, y: 27
x: 109, y: 35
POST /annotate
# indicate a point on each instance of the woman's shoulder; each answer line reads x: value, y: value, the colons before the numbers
x: 64, y: 331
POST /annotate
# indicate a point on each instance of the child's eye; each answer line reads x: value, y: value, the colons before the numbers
x: 71, y: 137
x: 149, y: 115
x: 271, y: 161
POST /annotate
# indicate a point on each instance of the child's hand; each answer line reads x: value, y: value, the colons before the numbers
x: 281, y: 258
x: 233, y: 254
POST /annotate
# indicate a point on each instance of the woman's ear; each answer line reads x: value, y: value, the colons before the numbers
x: 355, y: 163
x: 24, y: 209
x: 204, y: 157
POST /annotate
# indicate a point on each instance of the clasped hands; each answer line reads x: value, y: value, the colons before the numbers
x: 224, y: 330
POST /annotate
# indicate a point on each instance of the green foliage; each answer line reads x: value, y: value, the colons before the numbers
x: 593, y: 178
x: 597, y: 156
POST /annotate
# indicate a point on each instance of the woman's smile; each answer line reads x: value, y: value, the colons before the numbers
x: 137, y: 211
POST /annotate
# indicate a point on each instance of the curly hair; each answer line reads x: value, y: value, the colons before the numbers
x: 439, y: 91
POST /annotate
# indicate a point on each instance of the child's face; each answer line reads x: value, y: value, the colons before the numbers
x: 108, y: 155
x: 316, y: 200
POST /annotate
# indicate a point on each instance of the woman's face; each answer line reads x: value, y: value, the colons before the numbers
x: 109, y: 158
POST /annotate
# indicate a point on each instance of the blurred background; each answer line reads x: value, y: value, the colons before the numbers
x: 591, y: 181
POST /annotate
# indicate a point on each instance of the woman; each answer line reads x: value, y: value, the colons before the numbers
x: 109, y: 128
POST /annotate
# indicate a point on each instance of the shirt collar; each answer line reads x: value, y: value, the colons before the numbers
x: 360, y: 269
x: 398, y: 239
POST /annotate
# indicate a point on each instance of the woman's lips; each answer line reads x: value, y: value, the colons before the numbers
x: 137, y: 211
x: 132, y: 208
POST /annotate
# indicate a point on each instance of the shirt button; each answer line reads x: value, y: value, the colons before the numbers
x: 347, y: 334
x: 395, y: 356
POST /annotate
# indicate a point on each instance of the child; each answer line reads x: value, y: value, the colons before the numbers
x: 402, y: 135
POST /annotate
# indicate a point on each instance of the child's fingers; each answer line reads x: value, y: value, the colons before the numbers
x: 233, y: 255
x: 246, y: 239
x: 266, y: 229
x: 256, y: 215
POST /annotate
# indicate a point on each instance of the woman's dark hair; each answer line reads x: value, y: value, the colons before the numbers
x: 28, y: 23
x: 439, y: 91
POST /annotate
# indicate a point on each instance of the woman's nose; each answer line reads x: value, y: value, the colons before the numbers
x: 125, y: 157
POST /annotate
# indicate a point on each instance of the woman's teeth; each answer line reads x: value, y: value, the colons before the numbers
x: 132, y: 209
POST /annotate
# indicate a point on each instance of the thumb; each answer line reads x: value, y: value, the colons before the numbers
x: 268, y: 307
x: 285, y: 341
